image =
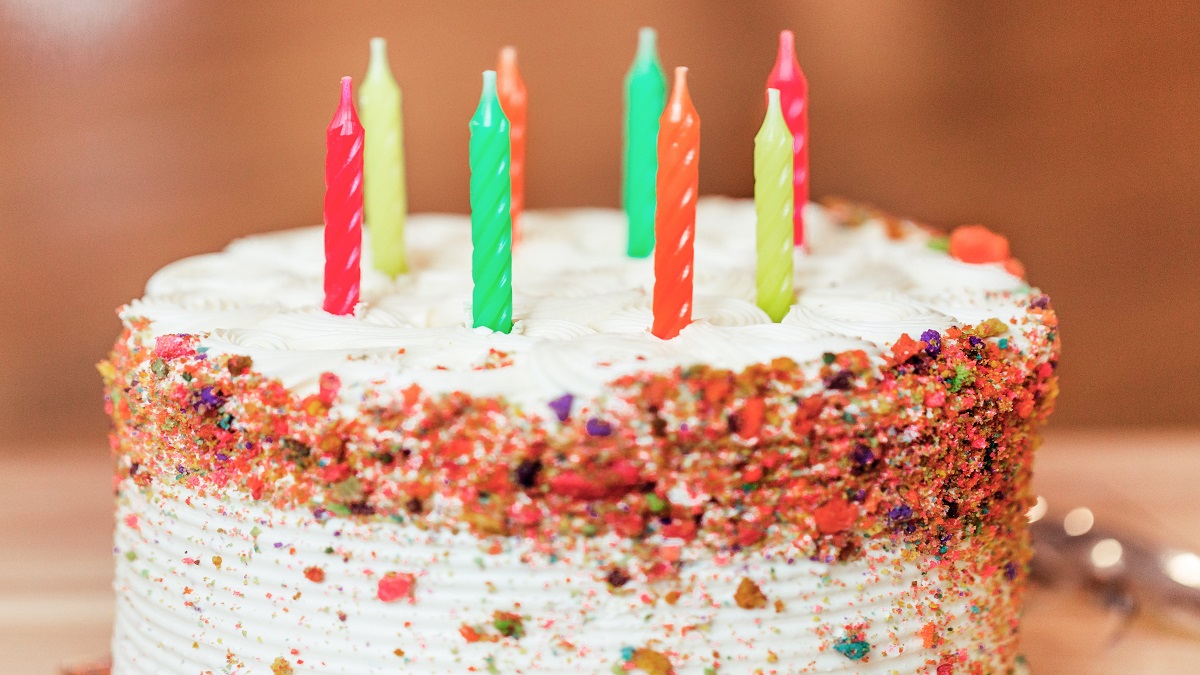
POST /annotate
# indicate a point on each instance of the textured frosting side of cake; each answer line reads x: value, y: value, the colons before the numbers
x: 881, y: 436
x: 217, y: 576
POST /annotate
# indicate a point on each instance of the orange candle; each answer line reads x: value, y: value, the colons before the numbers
x: 514, y: 100
x: 678, y: 185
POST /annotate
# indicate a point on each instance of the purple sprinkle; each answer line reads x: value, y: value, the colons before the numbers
x: 279, y: 544
x: 210, y: 399
x: 1041, y: 302
x: 222, y: 457
x: 862, y: 455
x: 598, y: 427
x: 841, y: 380
x: 683, y: 427
x: 1010, y: 570
x: 933, y: 342
x: 900, y: 513
x: 562, y: 406
x: 975, y: 342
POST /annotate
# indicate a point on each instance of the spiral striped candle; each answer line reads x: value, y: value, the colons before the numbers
x: 491, y: 215
x: 787, y: 77
x: 678, y: 185
x: 773, y: 205
x: 645, y: 96
x: 383, y: 189
x: 514, y: 98
x: 343, y: 206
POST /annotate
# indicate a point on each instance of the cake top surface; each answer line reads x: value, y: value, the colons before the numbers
x: 582, y: 308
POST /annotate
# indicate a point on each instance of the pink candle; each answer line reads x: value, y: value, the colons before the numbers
x: 343, y: 206
x: 787, y: 77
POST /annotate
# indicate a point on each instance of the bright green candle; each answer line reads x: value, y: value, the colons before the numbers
x: 491, y: 212
x: 645, y: 98
x: 773, y: 204
x: 384, y: 201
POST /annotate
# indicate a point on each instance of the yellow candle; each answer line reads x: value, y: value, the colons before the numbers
x: 773, y: 204
x: 384, y: 199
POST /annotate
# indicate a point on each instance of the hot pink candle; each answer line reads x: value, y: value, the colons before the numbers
x: 343, y: 206
x: 787, y: 77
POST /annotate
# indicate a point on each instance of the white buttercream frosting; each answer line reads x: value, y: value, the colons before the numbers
x: 582, y: 308
x: 209, y: 585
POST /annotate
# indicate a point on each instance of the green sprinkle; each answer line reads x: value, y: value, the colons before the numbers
x: 852, y: 649
x: 159, y: 367
x: 962, y: 377
x: 655, y: 503
x: 940, y: 244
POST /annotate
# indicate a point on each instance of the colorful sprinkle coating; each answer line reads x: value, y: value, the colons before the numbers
x: 929, y: 449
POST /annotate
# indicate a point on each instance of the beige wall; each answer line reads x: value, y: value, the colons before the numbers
x: 134, y: 132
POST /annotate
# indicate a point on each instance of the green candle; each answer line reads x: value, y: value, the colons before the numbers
x: 773, y: 204
x: 384, y: 200
x: 645, y: 98
x: 491, y: 212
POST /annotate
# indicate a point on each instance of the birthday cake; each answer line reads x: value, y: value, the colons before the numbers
x: 395, y: 491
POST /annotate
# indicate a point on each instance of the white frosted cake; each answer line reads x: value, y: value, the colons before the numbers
x: 396, y: 492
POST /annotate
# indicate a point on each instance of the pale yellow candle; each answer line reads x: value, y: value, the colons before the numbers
x: 384, y: 199
x: 773, y: 204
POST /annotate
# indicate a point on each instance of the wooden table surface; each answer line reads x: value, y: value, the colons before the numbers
x: 55, y: 553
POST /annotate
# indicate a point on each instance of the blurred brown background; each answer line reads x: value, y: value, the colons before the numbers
x: 134, y: 132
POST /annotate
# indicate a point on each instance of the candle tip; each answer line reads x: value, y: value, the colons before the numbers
x: 647, y: 39
x: 508, y: 56
x: 489, y: 83
x: 772, y: 98
x: 347, y: 89
x: 787, y: 42
x: 681, y: 77
x: 378, y: 48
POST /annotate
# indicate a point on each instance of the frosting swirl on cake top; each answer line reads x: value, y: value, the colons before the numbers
x: 582, y: 308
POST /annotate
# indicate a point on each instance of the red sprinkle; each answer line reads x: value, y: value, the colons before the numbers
x: 396, y: 586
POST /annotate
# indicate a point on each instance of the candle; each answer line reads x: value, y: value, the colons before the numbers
x: 675, y: 211
x: 773, y: 204
x: 514, y: 100
x: 385, y: 207
x: 645, y: 96
x: 787, y: 77
x: 491, y: 215
x: 343, y: 206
